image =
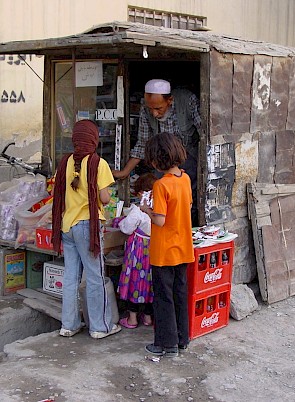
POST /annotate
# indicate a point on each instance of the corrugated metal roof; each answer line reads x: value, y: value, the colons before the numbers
x: 119, y: 34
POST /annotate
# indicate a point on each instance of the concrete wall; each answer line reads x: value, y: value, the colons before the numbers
x: 21, y: 89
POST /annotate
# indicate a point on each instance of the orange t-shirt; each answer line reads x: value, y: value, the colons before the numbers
x: 172, y: 243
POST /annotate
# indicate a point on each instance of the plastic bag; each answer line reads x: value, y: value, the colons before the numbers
x: 23, y: 189
x: 28, y: 221
x: 25, y: 217
x: 8, y: 223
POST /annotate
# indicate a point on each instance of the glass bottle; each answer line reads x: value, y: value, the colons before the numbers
x: 213, y: 260
x: 199, y: 307
x: 210, y: 303
x: 224, y: 258
x: 222, y: 300
x: 202, y: 262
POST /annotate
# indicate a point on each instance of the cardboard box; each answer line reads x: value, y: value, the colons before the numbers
x: 53, y: 272
x: 43, y: 239
x: 12, y: 271
x: 114, y: 238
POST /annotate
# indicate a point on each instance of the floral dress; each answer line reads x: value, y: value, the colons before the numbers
x: 135, y: 283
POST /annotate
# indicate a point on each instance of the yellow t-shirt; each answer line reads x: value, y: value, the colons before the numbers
x: 76, y: 202
x: 172, y: 244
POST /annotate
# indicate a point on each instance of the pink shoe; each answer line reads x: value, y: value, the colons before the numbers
x: 124, y: 323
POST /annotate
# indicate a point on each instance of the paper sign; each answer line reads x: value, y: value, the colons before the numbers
x: 120, y: 97
x: 89, y: 74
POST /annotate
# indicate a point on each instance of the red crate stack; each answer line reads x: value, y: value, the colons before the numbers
x: 209, y: 285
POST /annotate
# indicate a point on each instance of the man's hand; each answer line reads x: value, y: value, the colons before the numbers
x: 130, y: 165
x: 120, y: 174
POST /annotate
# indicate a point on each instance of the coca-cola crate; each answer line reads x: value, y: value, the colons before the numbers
x: 208, y: 310
x: 212, y: 267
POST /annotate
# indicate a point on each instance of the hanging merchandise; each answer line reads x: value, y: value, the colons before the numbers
x: 118, y: 146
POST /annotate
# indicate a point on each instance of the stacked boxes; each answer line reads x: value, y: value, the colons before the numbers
x: 209, y: 285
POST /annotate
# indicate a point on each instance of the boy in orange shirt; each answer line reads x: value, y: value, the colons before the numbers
x: 171, y: 246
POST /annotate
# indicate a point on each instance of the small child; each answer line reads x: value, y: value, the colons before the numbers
x: 171, y: 245
x: 135, y: 283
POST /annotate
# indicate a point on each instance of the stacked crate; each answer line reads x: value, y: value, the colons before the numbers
x: 209, y: 285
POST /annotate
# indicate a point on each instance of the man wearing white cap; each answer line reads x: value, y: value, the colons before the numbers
x: 176, y: 112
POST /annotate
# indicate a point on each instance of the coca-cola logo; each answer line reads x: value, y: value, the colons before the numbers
x: 214, y: 276
x: 210, y: 321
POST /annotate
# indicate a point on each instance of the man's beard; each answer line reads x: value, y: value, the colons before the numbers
x: 166, y: 115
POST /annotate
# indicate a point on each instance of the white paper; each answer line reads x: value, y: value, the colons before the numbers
x: 89, y: 74
x: 120, y: 96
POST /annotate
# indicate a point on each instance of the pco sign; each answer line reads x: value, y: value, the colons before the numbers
x: 106, y: 114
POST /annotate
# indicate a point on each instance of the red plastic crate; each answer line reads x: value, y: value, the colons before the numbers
x: 208, y: 311
x: 202, y: 276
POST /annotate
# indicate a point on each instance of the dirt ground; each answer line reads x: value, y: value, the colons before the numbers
x: 249, y: 360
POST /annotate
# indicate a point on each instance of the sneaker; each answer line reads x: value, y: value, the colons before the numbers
x: 154, y: 350
x: 171, y: 352
x: 182, y: 348
x: 68, y: 332
x: 99, y: 335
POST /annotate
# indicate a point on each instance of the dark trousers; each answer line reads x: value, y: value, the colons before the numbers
x: 170, y: 305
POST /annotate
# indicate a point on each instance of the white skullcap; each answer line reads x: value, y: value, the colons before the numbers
x: 161, y: 87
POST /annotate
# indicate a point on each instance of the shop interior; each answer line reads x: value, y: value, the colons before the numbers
x: 77, y: 96
x: 180, y: 74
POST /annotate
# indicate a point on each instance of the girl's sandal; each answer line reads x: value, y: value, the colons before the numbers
x: 124, y: 323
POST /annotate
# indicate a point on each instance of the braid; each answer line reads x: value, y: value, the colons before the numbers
x: 75, y: 182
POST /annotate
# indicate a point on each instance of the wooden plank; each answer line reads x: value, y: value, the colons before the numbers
x: 221, y: 91
x: 290, y: 124
x: 284, y: 166
x: 242, y: 81
x: 263, y: 221
x: 257, y: 245
x: 274, y: 238
x: 266, y: 157
x: 280, y: 72
x: 261, y: 93
x: 287, y: 189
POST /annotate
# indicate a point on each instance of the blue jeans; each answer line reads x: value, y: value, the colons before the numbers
x: 77, y: 258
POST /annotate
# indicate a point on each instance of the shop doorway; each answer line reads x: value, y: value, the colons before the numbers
x: 181, y: 74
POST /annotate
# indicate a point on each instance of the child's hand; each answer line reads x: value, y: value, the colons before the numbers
x: 144, y: 207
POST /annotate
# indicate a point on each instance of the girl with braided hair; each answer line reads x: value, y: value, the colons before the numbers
x: 81, y: 190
